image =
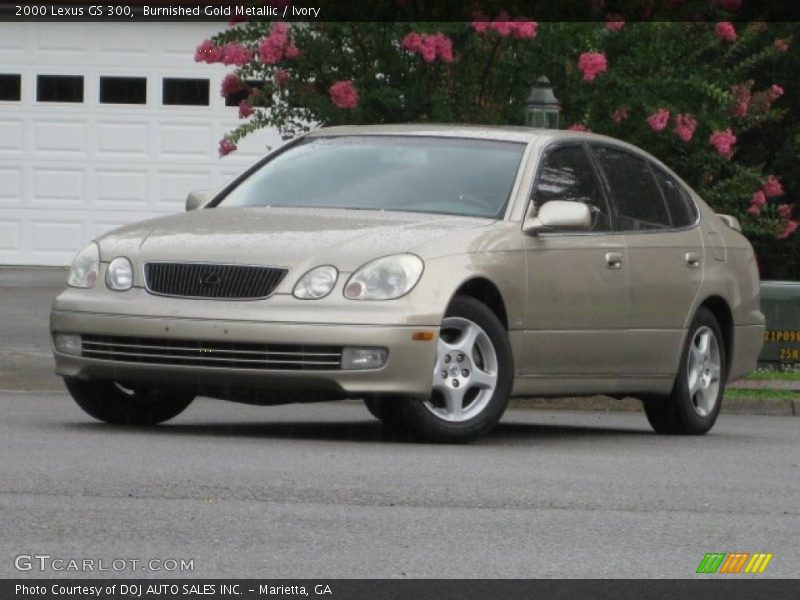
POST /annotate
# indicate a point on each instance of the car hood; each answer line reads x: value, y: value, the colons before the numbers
x: 287, y: 237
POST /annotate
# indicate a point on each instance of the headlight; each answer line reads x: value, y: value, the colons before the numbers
x: 85, y: 266
x: 119, y: 275
x: 317, y: 283
x: 384, y: 278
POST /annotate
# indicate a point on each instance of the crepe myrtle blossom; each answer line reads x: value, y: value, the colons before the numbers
x: 659, y: 119
x: 227, y: 54
x: 757, y: 202
x: 579, y: 127
x: 207, y: 52
x: 291, y: 51
x: 226, y: 147
x: 614, y: 22
x: 775, y: 92
x: 429, y: 46
x: 685, y: 125
x: 524, y: 29
x: 724, y: 142
x: 245, y: 110
x: 502, y: 25
x: 480, y: 22
x: 343, y: 94
x: 520, y: 27
x: 788, y: 229
x: 781, y: 45
x: 236, y: 54
x: 725, y: 31
x: 281, y: 77
x: 785, y: 210
x: 741, y: 100
x: 592, y: 64
x: 772, y: 187
x: 619, y: 115
x: 230, y: 85
x: 277, y: 45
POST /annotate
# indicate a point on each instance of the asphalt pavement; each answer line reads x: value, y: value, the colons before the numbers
x: 321, y: 491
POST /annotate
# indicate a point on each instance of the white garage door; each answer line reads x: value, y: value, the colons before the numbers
x: 103, y: 124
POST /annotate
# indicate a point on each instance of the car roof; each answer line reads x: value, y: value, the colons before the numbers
x: 510, y: 133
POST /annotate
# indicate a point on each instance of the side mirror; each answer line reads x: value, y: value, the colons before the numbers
x: 196, y: 200
x: 559, y: 214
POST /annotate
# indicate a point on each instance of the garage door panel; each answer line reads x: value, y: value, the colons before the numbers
x: 57, y: 234
x: 10, y: 135
x: 58, y: 187
x: 64, y: 137
x: 184, y: 140
x: 10, y: 185
x: 116, y: 189
x: 125, y: 42
x: 60, y: 40
x: 10, y: 233
x: 128, y: 140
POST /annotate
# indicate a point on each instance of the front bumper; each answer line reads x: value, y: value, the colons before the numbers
x: 408, y: 369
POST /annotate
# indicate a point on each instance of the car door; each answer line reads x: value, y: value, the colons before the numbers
x: 664, y: 257
x: 576, y: 281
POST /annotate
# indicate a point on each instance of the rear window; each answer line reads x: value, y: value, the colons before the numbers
x: 680, y: 205
x: 636, y: 195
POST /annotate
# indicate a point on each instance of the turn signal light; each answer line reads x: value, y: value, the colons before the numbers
x: 422, y: 336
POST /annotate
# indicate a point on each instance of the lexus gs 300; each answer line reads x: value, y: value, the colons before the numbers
x: 432, y: 271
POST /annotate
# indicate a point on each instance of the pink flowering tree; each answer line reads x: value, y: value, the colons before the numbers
x: 711, y: 99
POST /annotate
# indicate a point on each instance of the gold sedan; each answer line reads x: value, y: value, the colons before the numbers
x: 434, y: 271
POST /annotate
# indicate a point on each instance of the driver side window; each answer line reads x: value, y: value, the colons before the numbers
x: 567, y: 174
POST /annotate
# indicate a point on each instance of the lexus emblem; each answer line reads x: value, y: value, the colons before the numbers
x: 210, y: 279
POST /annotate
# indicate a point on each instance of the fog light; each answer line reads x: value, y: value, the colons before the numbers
x: 364, y: 358
x: 67, y: 343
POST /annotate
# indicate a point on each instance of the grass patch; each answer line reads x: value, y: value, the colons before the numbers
x: 762, y: 394
x: 773, y: 375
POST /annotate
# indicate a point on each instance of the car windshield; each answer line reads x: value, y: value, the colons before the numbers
x: 450, y: 176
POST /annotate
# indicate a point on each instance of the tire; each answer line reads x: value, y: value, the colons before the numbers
x: 387, y: 410
x: 693, y: 406
x: 109, y: 402
x: 475, y: 355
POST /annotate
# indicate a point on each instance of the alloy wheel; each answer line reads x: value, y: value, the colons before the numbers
x: 466, y: 371
x: 704, y: 370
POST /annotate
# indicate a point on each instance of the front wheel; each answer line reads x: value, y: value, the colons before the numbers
x: 696, y: 397
x: 112, y: 403
x: 471, y: 380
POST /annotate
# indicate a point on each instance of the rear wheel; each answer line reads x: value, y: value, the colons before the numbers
x: 110, y: 402
x: 693, y: 406
x: 472, y: 379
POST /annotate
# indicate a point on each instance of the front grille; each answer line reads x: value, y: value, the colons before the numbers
x: 209, y: 280
x: 230, y: 355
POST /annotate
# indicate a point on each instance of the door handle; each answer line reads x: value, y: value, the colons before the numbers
x: 614, y: 260
x: 692, y: 260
